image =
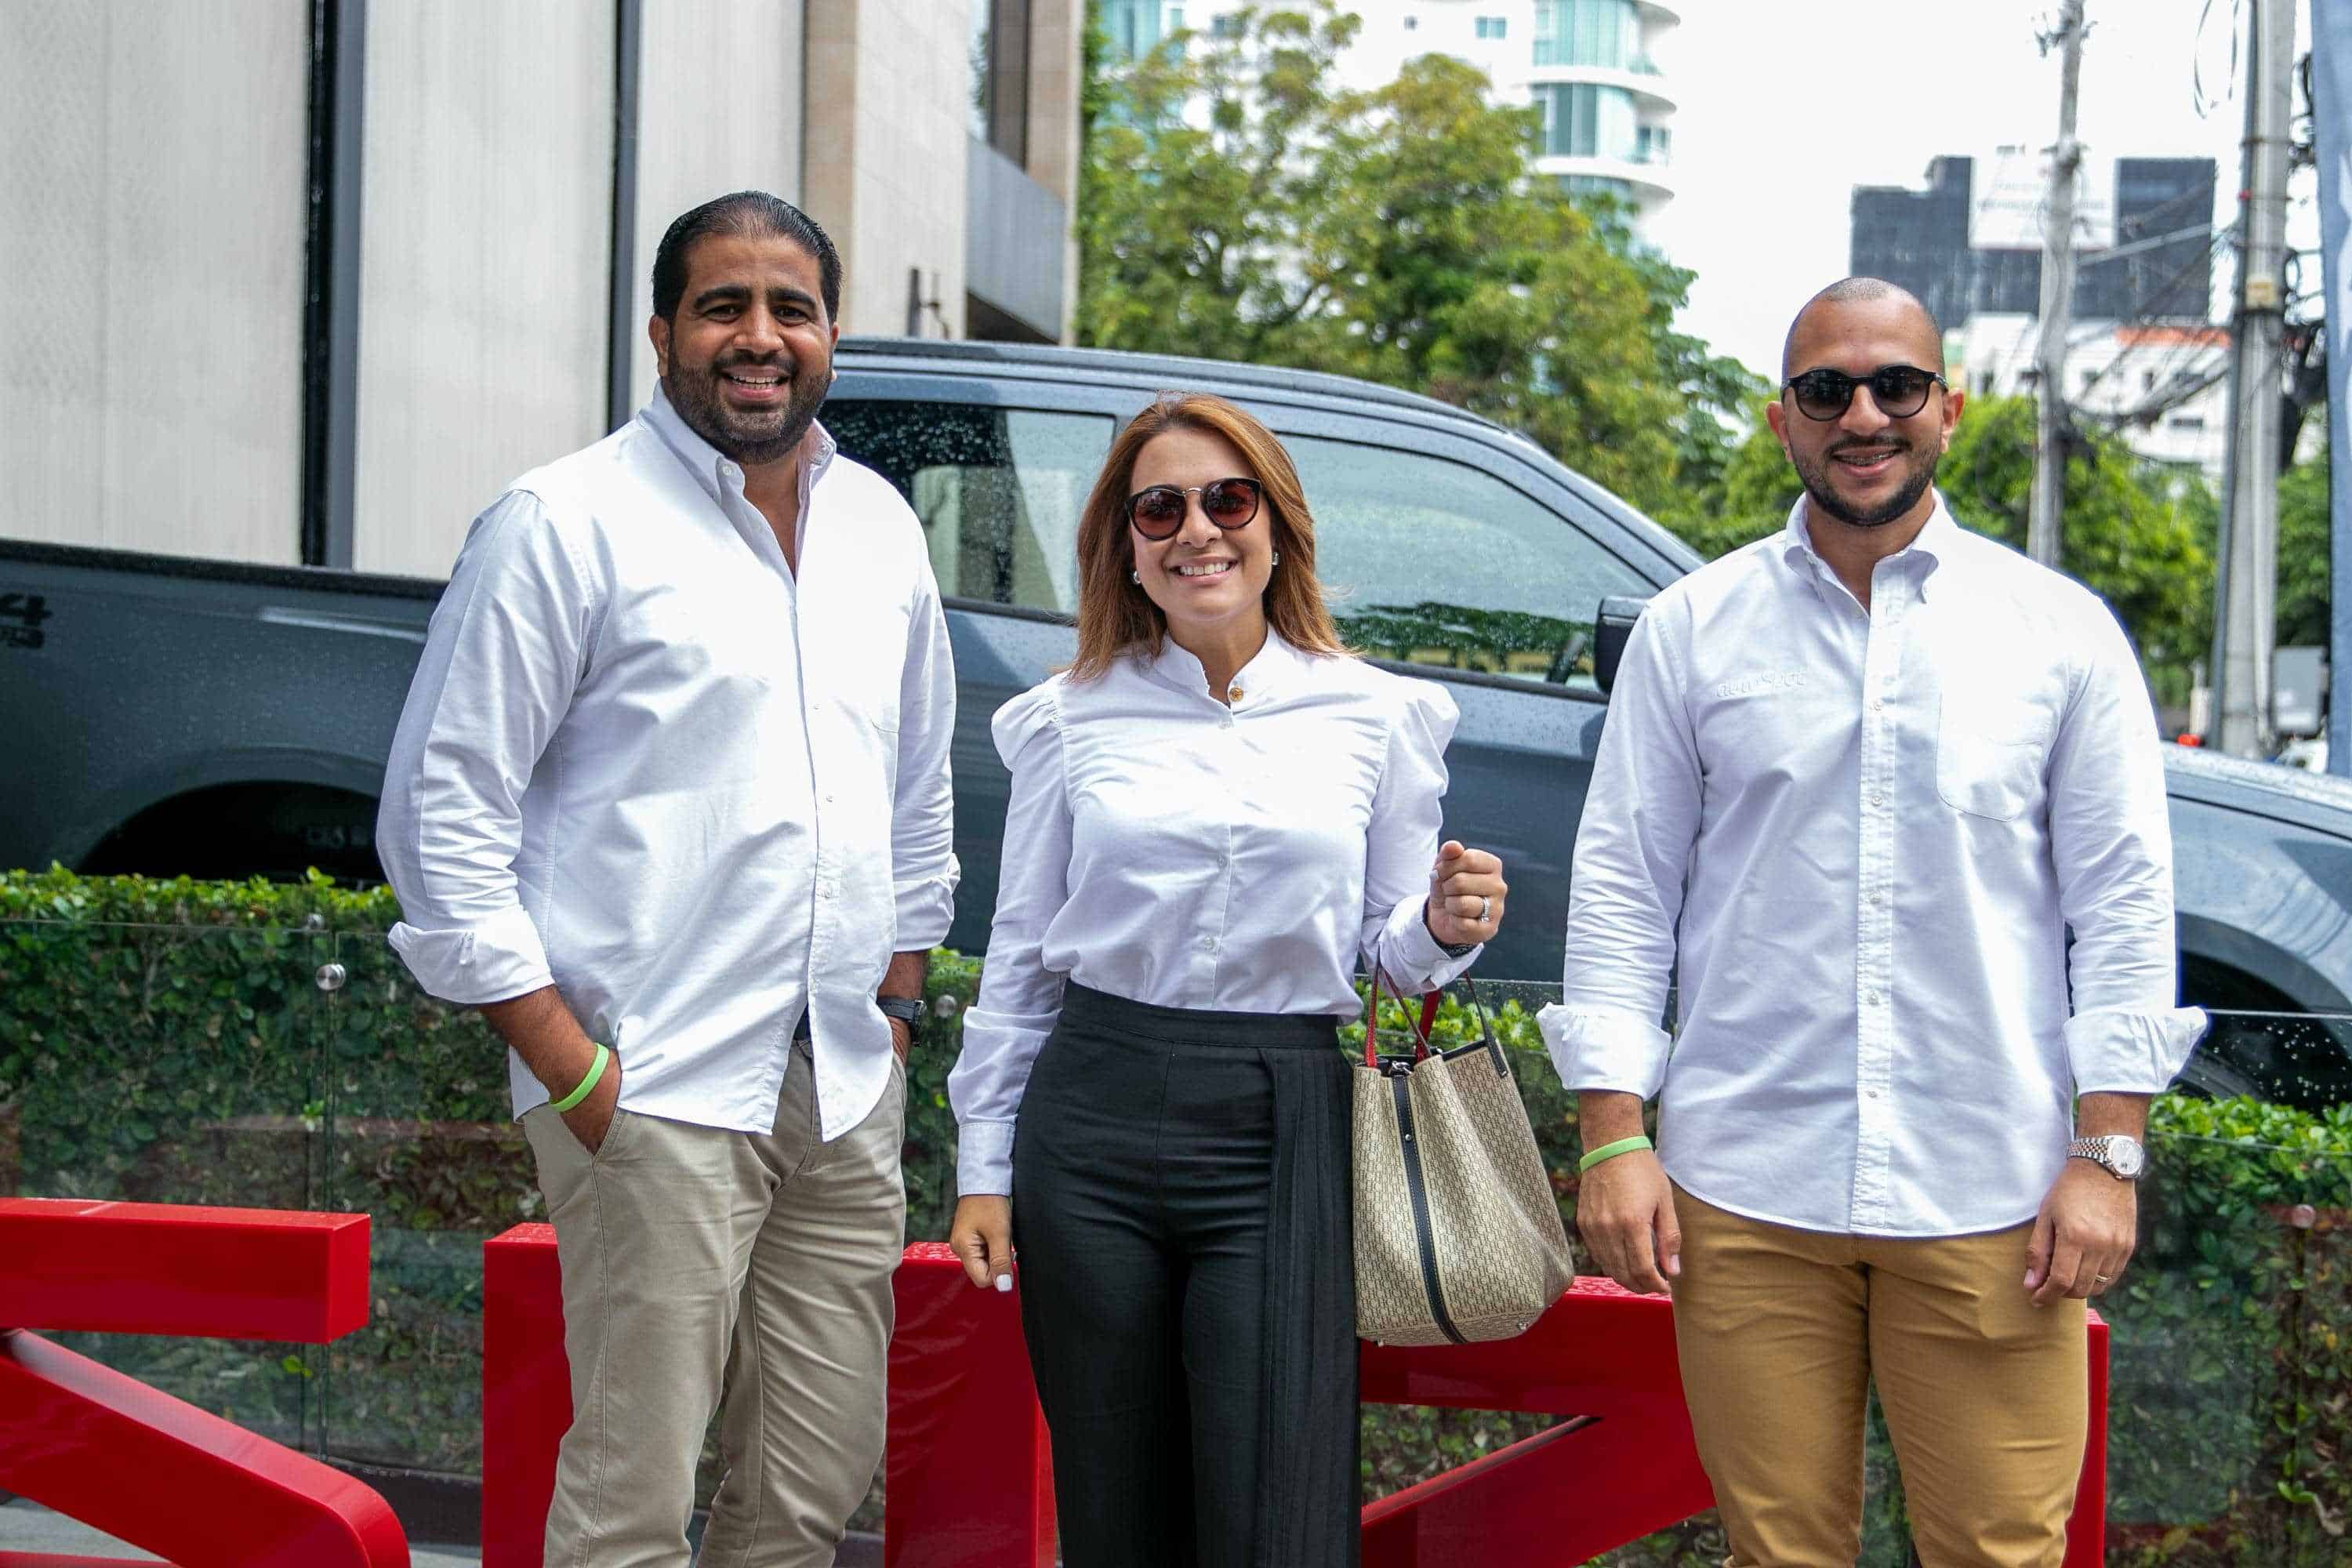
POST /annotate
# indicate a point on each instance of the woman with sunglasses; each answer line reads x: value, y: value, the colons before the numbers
x: 1216, y: 813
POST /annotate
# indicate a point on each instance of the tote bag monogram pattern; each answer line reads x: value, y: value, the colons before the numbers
x: 1458, y: 1238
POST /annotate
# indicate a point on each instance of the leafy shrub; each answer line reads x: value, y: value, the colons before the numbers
x: 172, y: 1040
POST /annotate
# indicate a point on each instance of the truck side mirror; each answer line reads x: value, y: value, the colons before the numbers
x: 1612, y: 625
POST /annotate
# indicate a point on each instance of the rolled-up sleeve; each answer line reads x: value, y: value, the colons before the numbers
x: 1633, y: 859
x: 507, y: 648
x: 922, y: 823
x: 1020, y: 999
x: 2111, y: 842
x: 1400, y: 845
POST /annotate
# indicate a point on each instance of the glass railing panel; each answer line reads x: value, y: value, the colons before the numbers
x: 173, y: 1064
x: 421, y: 1135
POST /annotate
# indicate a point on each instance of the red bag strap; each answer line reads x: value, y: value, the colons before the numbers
x: 1371, y: 1023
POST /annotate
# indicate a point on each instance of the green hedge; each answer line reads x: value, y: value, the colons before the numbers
x: 172, y: 1040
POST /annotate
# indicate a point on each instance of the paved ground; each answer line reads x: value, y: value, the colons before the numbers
x: 28, y: 1527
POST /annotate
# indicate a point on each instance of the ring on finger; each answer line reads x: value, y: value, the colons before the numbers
x: 1486, y: 908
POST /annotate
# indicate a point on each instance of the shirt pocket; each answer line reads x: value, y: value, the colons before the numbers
x: 1989, y: 751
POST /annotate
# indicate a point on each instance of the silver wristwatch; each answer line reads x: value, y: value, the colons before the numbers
x: 2119, y: 1155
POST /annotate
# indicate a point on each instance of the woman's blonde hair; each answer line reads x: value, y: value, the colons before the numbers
x: 1114, y: 612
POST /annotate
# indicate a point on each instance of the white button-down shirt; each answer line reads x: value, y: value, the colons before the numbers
x: 644, y: 762
x: 1162, y: 846
x: 1874, y: 828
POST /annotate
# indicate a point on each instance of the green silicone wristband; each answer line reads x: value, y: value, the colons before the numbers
x: 1610, y: 1151
x: 595, y: 1074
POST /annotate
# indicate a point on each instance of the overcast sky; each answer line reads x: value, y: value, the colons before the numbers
x: 1786, y: 105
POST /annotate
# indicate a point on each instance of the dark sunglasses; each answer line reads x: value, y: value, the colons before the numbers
x: 1899, y: 390
x: 1159, y: 513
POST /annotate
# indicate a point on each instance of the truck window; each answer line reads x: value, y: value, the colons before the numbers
x: 999, y: 490
x: 1434, y: 561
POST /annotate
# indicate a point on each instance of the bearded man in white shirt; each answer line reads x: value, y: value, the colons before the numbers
x: 1859, y: 780
x: 669, y: 802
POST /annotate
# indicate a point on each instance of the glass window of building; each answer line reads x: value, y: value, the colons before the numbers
x: 1133, y: 28
x: 1597, y: 185
x: 1494, y: 26
x: 1584, y: 119
x: 999, y: 75
x: 1606, y: 33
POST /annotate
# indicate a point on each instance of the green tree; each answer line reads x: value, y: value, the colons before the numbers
x: 2302, y: 555
x: 1236, y: 205
x: 2140, y: 535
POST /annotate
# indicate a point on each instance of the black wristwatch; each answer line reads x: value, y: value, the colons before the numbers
x: 908, y: 1010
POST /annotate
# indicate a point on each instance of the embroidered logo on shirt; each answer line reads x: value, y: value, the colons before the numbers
x: 1760, y: 685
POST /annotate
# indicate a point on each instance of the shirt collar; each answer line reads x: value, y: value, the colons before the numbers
x: 1937, y: 544
x: 1267, y: 670
x: 717, y: 474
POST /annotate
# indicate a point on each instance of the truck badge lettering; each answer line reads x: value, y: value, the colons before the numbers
x: 27, y: 611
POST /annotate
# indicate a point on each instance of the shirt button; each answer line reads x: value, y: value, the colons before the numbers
x: 1878, y: 705
x: 1872, y: 998
x: 1208, y: 944
x: 1232, y: 694
x: 1870, y: 1093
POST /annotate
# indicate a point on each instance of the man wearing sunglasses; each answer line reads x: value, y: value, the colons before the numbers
x: 1860, y: 782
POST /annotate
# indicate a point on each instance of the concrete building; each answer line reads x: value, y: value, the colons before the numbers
x: 308, y: 280
x: 2141, y: 353
x: 1970, y: 242
x: 1593, y: 67
x: 2163, y: 386
x: 1607, y: 103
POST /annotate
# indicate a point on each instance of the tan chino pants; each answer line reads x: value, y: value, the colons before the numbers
x: 1780, y: 1332
x: 747, y: 1273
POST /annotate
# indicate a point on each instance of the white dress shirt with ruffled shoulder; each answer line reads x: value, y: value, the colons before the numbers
x: 1165, y: 847
x: 1861, y: 835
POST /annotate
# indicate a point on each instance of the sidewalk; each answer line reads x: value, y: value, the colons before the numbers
x: 28, y: 1527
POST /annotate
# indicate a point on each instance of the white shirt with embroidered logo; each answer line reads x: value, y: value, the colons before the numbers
x: 1870, y: 830
x: 646, y: 763
x: 1165, y: 847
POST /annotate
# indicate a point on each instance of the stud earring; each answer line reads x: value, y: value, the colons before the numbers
x: 1277, y: 558
x: 1135, y: 577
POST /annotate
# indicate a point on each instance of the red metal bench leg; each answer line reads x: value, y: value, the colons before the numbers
x: 526, y: 1391
x: 969, y: 1478
x: 2086, y: 1531
x: 171, y: 1479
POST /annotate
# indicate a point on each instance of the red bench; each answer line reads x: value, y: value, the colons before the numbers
x: 113, y: 1453
x: 968, y: 1475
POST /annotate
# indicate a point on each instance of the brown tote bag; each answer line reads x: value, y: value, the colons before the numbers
x: 1458, y: 1238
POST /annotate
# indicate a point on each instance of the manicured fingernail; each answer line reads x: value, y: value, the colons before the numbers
x: 1003, y: 1283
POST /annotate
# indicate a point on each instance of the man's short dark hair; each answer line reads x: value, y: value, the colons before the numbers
x: 742, y: 213
x: 1852, y: 291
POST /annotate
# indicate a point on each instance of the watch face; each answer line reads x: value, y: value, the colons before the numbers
x: 2126, y: 1156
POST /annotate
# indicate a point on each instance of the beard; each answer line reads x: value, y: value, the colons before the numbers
x: 1919, y: 473
x: 750, y: 437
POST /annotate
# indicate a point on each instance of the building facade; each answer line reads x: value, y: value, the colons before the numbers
x: 315, y: 278
x: 1970, y: 242
x: 1595, y: 68
x: 1607, y: 104
x: 2141, y: 354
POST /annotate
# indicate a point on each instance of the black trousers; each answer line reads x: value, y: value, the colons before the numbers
x: 1181, y: 1207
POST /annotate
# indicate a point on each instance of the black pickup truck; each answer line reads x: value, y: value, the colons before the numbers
x: 167, y: 715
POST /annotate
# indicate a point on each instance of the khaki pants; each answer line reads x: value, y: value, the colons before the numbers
x: 701, y: 1264
x: 1780, y: 1332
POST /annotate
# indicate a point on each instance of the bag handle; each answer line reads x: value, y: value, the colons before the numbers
x: 1429, y: 1001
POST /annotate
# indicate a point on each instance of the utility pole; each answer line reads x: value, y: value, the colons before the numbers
x: 2245, y: 618
x: 2043, y: 534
